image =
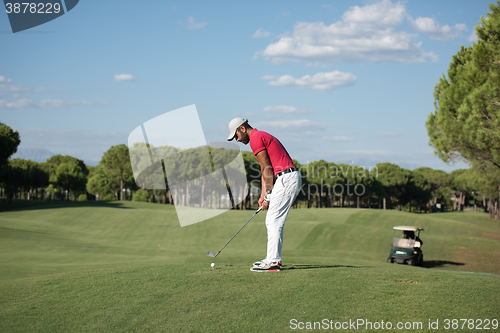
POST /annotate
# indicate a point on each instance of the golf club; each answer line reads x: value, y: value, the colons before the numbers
x: 210, y: 254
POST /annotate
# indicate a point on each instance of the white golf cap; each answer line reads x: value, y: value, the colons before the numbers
x: 233, y: 126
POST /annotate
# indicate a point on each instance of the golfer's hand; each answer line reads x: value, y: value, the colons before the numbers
x: 263, y: 203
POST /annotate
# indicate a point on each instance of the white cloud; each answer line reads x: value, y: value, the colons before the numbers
x: 4, y: 79
x: 124, y: 77
x: 261, y: 34
x: 383, y: 13
x: 16, y: 88
x: 473, y: 37
x: 371, y: 152
x: 319, y: 81
x: 337, y: 138
x: 16, y: 100
x: 12, y: 88
x: 87, y: 145
x: 50, y: 103
x: 435, y: 31
x: 42, y: 90
x: 17, y: 104
x: 301, y: 125
x: 24, y: 103
x: 368, y: 34
x: 268, y: 77
x: 195, y: 25
x: 284, y: 14
x: 87, y: 103
x: 286, y: 109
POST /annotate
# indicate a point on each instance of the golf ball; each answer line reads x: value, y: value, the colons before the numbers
x: 212, y: 265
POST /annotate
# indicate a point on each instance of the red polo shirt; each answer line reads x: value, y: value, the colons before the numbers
x: 280, y: 160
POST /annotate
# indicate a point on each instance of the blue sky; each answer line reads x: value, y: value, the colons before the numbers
x: 341, y: 81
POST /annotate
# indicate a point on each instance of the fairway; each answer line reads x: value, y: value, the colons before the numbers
x: 124, y: 266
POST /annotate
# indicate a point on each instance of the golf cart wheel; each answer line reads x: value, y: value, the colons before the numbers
x: 411, y: 262
x: 421, y: 262
x: 390, y: 260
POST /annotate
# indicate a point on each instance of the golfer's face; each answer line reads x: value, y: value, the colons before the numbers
x: 242, y: 137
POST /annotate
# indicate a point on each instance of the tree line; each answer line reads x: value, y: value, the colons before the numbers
x: 388, y: 186
x: 325, y: 184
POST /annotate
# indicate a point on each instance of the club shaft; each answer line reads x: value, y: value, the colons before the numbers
x: 222, y: 248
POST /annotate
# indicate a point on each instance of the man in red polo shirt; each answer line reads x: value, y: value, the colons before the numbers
x: 275, y: 163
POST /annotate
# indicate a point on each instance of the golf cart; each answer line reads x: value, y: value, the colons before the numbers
x: 408, y: 249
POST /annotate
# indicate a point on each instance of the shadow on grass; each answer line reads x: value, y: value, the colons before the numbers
x: 438, y: 263
x: 33, y: 204
x: 287, y: 267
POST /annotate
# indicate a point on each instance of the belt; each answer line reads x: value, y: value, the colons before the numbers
x: 286, y: 171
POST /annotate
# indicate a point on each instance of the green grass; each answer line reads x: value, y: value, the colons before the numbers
x: 97, y: 267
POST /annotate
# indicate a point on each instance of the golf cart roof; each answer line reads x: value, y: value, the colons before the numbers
x: 405, y: 227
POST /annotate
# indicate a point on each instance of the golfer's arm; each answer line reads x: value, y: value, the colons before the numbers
x: 266, y: 170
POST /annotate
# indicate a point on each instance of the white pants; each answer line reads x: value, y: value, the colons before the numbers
x: 284, y: 192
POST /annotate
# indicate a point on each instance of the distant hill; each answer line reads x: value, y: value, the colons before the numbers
x: 34, y: 154
x: 42, y: 154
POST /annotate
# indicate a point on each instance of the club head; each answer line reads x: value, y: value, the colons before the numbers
x: 210, y: 254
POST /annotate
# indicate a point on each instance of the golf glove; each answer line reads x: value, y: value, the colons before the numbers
x: 267, y: 197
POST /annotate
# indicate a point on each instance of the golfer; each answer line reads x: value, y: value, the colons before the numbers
x: 275, y: 164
